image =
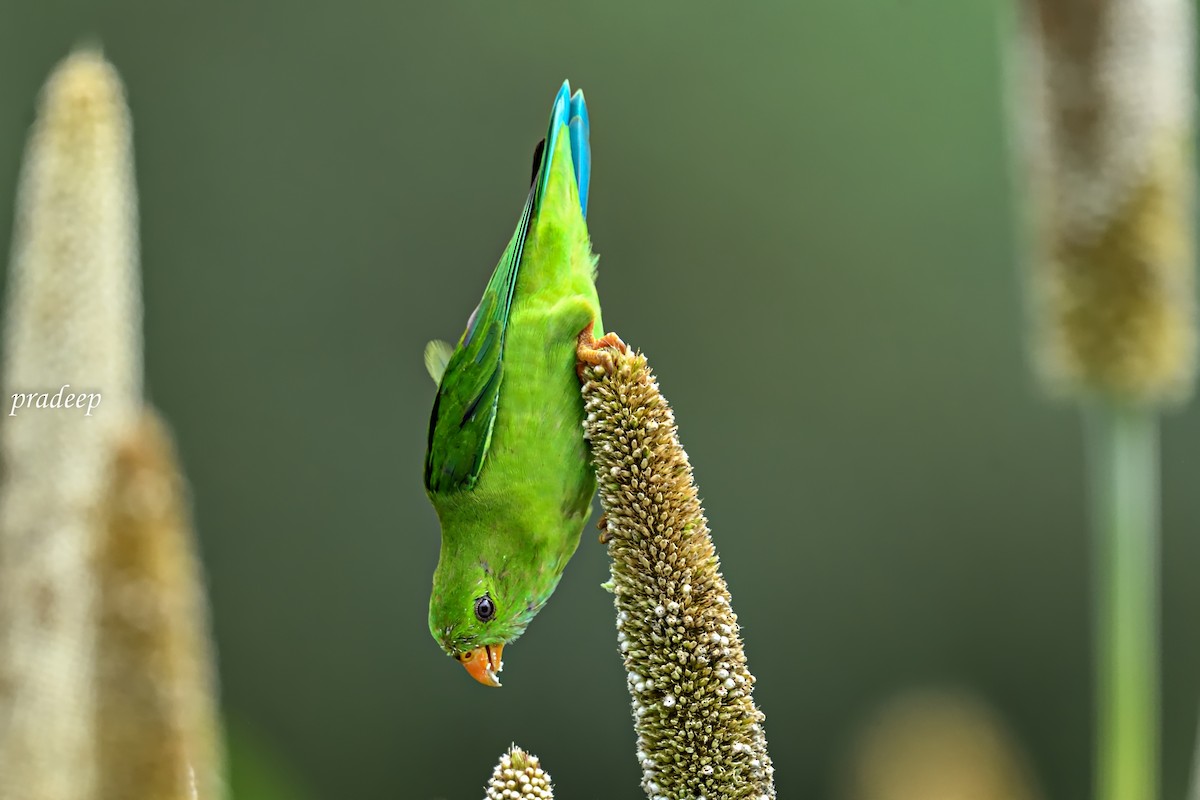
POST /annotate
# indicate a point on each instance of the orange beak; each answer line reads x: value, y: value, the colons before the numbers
x: 483, y: 663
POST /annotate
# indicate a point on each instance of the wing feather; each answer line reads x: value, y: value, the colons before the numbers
x: 464, y: 413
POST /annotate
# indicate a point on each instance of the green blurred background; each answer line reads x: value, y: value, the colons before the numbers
x: 805, y: 218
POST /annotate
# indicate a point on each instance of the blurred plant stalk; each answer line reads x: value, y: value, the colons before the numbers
x: 105, y: 685
x: 1105, y: 113
x: 1194, y: 790
x: 156, y: 729
x: 699, y: 731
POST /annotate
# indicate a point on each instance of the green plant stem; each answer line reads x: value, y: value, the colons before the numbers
x: 1123, y: 450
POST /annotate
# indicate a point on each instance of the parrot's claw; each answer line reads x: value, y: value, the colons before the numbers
x: 592, y: 352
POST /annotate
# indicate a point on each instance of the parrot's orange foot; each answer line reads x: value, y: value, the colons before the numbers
x: 591, y: 352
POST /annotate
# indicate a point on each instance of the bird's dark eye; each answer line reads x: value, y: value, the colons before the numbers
x: 485, y: 609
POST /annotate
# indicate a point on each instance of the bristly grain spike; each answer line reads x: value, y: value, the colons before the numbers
x: 699, y: 731
x: 519, y: 776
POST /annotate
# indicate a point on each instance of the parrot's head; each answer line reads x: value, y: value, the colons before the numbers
x: 477, y: 608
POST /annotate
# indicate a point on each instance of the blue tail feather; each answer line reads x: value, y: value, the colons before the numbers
x: 581, y: 148
x: 558, y: 118
x: 570, y: 111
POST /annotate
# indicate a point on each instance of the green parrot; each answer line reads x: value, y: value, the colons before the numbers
x: 507, y: 468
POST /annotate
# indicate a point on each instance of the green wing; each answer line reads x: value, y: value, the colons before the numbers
x: 464, y: 412
x: 437, y: 358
